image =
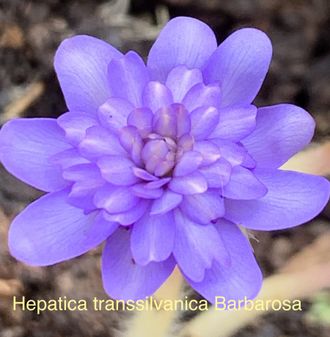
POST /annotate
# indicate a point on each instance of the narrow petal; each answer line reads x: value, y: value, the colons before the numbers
x: 67, y: 158
x: 123, y: 278
x: 142, y: 120
x: 81, y: 64
x: 203, y: 208
x: 168, y: 201
x: 182, y: 41
x: 202, y: 95
x: 181, y: 79
x: 117, y: 170
x: 235, y: 123
x: 114, y: 112
x: 131, y: 141
x: 241, y: 279
x: 282, y: 130
x: 128, y: 76
x: 292, y: 199
x: 141, y: 191
x: 209, y: 151
x: 196, y: 247
x: 152, y: 238
x: 234, y: 153
x: 188, y: 163
x: 217, y: 174
x: 243, y: 185
x: 156, y: 96
x: 143, y: 174
x: 115, y: 199
x: 100, y: 142
x: 26, y: 146
x: 239, y: 66
x: 203, y: 122
x: 50, y: 230
x: 132, y: 215
x: 189, y: 184
x: 75, y: 125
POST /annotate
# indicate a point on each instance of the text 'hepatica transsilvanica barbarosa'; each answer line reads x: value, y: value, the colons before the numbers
x: 163, y: 162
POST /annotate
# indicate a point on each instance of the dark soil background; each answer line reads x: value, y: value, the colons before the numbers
x: 31, y: 30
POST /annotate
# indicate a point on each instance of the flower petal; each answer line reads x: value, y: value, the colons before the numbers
x: 128, y: 76
x: 115, y: 199
x: 242, y: 278
x: 209, y: 151
x: 234, y: 153
x: 99, y: 142
x: 183, y: 40
x: 156, y: 96
x: 117, y: 170
x: 217, y: 174
x: 203, y: 208
x: 235, y: 123
x: 75, y: 125
x: 50, y: 230
x: 26, y: 146
x: 152, y: 238
x: 181, y: 79
x: 292, y: 199
x: 168, y: 201
x: 142, y: 191
x: 282, y: 130
x: 129, y: 217
x: 239, y: 66
x: 188, y: 163
x: 203, y: 121
x: 114, y: 112
x: 202, y: 95
x: 123, y: 278
x: 81, y: 64
x: 142, y: 120
x: 190, y: 184
x: 196, y: 247
x: 243, y: 185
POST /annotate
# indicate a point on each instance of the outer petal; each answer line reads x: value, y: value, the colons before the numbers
x: 235, y: 123
x: 128, y: 76
x: 26, y: 146
x: 153, y: 238
x: 183, y: 41
x: 81, y: 64
x: 243, y: 185
x: 241, y: 279
x: 282, y: 130
x: 292, y: 199
x: 196, y: 247
x: 240, y: 65
x: 123, y: 278
x: 50, y: 230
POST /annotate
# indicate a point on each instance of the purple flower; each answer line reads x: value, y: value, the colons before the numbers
x: 162, y: 161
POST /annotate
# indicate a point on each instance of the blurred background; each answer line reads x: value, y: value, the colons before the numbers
x: 30, y: 32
